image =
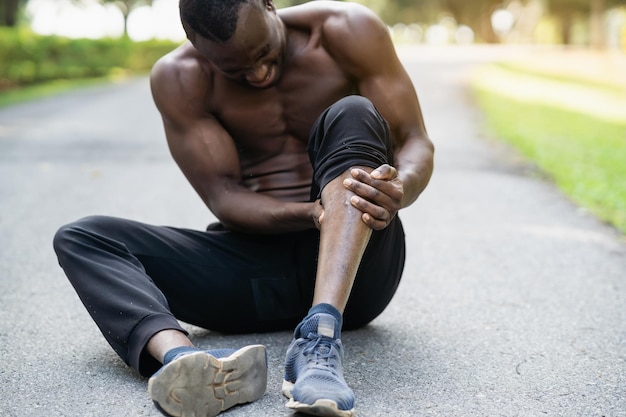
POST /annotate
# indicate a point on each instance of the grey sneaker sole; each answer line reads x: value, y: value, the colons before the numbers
x: 321, y: 408
x: 200, y: 385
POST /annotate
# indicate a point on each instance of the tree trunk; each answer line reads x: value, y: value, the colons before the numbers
x: 485, y: 30
x: 125, y: 34
x: 8, y: 13
x: 596, y: 27
x: 566, y: 27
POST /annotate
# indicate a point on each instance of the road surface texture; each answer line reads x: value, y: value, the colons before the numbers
x: 513, y: 301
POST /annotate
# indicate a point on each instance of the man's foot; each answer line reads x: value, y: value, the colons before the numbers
x: 205, y: 383
x: 314, y: 380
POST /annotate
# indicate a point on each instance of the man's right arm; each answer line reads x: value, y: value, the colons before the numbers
x: 208, y: 157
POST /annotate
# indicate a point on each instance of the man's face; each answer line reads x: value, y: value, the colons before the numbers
x: 255, y: 54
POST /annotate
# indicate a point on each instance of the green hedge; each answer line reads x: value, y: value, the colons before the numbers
x: 27, y: 58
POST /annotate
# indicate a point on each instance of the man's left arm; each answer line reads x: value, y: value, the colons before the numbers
x: 365, y: 50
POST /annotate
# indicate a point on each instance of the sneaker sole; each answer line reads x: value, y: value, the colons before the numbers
x: 200, y: 385
x: 320, y: 408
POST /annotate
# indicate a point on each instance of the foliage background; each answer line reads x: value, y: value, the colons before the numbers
x: 27, y: 58
x: 565, y: 15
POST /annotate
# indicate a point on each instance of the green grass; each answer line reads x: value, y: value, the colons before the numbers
x: 585, y: 156
x: 604, y: 85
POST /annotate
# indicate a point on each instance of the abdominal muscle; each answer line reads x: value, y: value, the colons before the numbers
x: 286, y: 176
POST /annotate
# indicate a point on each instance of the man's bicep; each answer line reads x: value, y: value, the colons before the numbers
x: 363, y: 47
x: 387, y: 84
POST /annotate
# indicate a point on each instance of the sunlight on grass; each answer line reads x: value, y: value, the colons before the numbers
x: 584, y: 154
x: 603, y: 101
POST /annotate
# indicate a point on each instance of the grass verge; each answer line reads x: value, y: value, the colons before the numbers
x: 583, y: 154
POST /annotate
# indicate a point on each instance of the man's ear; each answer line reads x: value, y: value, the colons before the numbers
x: 269, y: 5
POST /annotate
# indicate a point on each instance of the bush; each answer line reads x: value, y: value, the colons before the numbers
x: 27, y: 58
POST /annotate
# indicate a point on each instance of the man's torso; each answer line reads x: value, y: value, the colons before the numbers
x: 270, y: 127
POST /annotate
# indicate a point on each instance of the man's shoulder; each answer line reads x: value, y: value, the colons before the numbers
x: 353, y: 35
x: 320, y: 13
x: 179, y: 71
x: 177, y: 76
x: 185, y: 58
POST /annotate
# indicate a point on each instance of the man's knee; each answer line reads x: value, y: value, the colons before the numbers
x: 349, y: 133
x: 352, y: 114
x: 352, y: 106
x: 70, y: 236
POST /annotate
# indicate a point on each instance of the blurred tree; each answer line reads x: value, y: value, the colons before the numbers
x: 475, y: 14
x: 566, y: 11
x: 597, y: 38
x: 9, y: 12
x: 392, y: 11
x: 10, y: 9
x: 411, y: 11
x: 127, y: 6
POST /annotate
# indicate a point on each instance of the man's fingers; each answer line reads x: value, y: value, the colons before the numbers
x: 380, y: 197
x: 377, y: 194
x: 381, y: 192
x: 372, y: 210
x: 384, y: 172
x: 373, y: 223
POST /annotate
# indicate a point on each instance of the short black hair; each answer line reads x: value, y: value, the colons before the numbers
x: 211, y: 19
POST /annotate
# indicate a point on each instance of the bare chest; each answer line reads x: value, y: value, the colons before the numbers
x: 270, y: 127
x: 271, y: 121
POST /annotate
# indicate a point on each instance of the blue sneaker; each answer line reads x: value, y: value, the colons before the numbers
x: 314, y: 381
x: 205, y: 383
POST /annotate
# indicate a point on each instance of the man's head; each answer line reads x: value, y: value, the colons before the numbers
x: 245, y: 40
x: 212, y: 19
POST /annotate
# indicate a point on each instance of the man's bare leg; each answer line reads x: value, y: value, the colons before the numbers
x: 343, y: 239
x: 314, y: 379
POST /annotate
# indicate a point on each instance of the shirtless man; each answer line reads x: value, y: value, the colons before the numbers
x: 301, y: 131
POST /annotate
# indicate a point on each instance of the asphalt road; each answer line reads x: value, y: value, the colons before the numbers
x: 513, y: 301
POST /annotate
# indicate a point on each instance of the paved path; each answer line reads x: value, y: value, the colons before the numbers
x: 513, y: 302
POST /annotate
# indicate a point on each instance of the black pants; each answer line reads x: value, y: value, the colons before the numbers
x: 137, y: 279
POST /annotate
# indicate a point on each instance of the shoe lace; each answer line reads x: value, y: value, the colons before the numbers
x: 321, y: 353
